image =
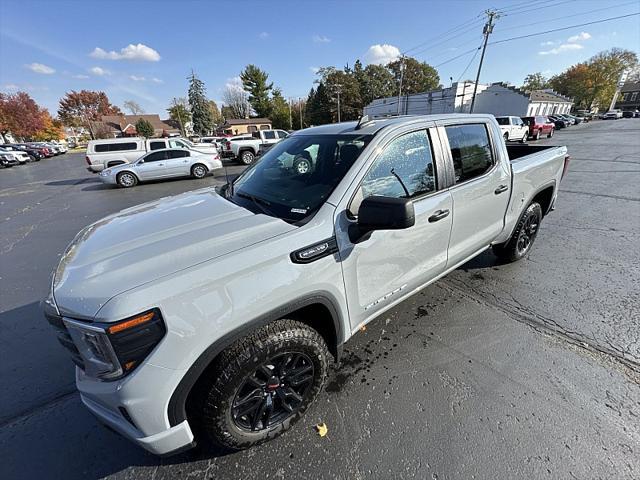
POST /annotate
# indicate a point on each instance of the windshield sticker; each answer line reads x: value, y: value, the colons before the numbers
x: 299, y: 210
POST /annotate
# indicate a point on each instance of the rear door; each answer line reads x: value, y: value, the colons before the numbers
x: 178, y: 163
x: 269, y: 137
x: 392, y: 263
x: 479, y: 188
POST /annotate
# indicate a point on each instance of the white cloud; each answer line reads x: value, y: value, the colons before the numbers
x: 320, y: 39
x: 547, y: 44
x: 263, y: 35
x: 381, y: 54
x: 10, y: 86
x: 578, y: 38
x: 157, y: 80
x: 136, y: 78
x: 100, y: 72
x: 40, y: 68
x: 139, y: 52
x: 314, y: 70
x: 565, y: 47
x: 81, y: 76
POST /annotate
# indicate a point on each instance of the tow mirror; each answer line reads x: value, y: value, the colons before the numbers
x: 382, y: 213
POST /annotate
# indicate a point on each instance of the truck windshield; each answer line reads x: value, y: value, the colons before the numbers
x: 296, y: 176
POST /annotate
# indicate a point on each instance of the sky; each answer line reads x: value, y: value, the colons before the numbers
x: 144, y: 50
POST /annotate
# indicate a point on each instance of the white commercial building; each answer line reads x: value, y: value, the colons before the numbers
x: 497, y: 99
x: 454, y: 99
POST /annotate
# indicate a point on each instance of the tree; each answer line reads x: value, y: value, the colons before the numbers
x: 236, y: 101
x: 20, y: 115
x: 594, y: 82
x: 215, y: 113
x: 179, y: 112
x: 51, y: 129
x: 343, y: 83
x: 535, y: 81
x: 144, y: 128
x: 417, y: 77
x: 318, y: 111
x: 254, y: 81
x: 133, y: 107
x: 200, y: 110
x: 375, y: 82
x: 279, y: 110
x: 80, y: 108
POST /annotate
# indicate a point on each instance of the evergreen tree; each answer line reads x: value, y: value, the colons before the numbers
x: 279, y: 110
x: 200, y: 109
x: 144, y: 128
x: 319, y: 111
x: 254, y: 81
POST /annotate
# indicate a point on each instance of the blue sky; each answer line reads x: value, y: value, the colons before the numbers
x: 144, y: 50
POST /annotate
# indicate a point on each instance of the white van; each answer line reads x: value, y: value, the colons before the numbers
x: 110, y: 152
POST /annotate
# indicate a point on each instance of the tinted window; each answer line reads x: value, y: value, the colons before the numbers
x: 157, y: 145
x: 115, y: 147
x: 177, y: 144
x: 282, y: 134
x: 502, y: 120
x: 403, y: 169
x: 270, y: 135
x: 154, y: 157
x: 178, y: 153
x: 470, y: 150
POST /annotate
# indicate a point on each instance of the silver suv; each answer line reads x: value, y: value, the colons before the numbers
x: 214, y: 315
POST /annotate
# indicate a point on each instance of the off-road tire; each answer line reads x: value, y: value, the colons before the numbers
x: 199, y: 171
x: 513, y: 250
x: 215, y: 394
x: 524, y: 138
x: 122, y: 181
x: 247, y: 157
x: 506, y: 136
x: 302, y: 166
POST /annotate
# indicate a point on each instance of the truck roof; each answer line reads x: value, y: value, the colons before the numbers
x: 374, y: 125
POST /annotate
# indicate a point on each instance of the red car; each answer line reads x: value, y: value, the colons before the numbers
x: 539, y: 126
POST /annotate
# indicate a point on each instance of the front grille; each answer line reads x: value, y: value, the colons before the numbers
x: 64, y: 338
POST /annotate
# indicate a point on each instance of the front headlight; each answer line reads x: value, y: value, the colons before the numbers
x: 111, y: 351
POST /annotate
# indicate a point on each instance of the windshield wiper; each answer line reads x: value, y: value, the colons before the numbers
x: 404, y: 187
x: 258, y: 202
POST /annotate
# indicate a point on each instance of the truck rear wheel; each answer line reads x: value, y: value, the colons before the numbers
x: 523, y: 236
x: 247, y: 157
x: 261, y: 385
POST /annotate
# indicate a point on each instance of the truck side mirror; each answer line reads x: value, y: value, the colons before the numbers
x: 382, y: 213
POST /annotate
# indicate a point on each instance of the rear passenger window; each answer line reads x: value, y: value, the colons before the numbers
x: 470, y: 150
x: 271, y: 135
x: 157, y: 145
x: 155, y: 157
x: 178, y: 153
x: 406, y: 163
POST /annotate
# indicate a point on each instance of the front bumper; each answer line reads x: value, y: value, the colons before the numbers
x: 166, y: 442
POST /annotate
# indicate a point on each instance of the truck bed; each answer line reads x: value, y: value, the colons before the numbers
x: 517, y: 152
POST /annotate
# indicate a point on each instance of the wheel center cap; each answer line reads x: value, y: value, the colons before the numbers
x: 273, y: 383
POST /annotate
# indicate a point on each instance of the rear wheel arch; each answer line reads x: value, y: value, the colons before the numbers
x: 319, y: 311
x: 544, y: 197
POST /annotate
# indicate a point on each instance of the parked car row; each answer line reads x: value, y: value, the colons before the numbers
x: 12, y: 154
x: 245, y: 148
x: 522, y: 129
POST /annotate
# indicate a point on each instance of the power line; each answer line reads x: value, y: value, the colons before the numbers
x: 469, y: 64
x: 563, y: 28
x: 446, y: 33
x: 536, y: 8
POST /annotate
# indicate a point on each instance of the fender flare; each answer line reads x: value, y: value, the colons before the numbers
x: 176, y: 409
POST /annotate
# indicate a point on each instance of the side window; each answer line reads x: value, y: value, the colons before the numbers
x: 101, y: 147
x: 282, y: 134
x: 269, y: 135
x: 119, y: 147
x: 155, y: 157
x: 157, y: 145
x: 470, y: 150
x: 177, y: 144
x: 178, y: 153
x: 404, y: 169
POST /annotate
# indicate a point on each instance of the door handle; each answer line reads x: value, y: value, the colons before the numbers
x: 185, y: 161
x: 500, y: 189
x: 161, y: 164
x: 438, y: 215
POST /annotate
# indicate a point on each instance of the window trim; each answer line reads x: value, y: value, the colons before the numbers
x: 451, y: 185
x: 436, y: 156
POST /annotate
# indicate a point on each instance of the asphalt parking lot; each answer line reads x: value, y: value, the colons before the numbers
x: 526, y: 370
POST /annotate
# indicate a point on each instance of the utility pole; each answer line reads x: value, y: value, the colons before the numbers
x: 338, y: 91
x: 300, y: 105
x: 290, y: 116
x: 621, y: 80
x: 488, y: 28
x: 400, y: 87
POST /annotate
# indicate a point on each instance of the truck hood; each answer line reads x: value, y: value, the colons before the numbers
x: 146, y: 242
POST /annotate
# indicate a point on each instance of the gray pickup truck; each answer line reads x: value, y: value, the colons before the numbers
x: 213, y: 315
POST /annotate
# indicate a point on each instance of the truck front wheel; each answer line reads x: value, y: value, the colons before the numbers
x: 247, y: 157
x: 261, y: 385
x: 523, y: 236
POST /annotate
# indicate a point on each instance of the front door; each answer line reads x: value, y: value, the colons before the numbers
x: 153, y: 166
x: 383, y: 268
x: 480, y: 192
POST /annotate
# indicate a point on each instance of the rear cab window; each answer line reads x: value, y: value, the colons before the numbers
x: 470, y: 150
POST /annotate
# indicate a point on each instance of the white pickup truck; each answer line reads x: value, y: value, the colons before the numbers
x: 110, y: 152
x: 513, y: 129
x: 213, y: 316
x: 245, y: 148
